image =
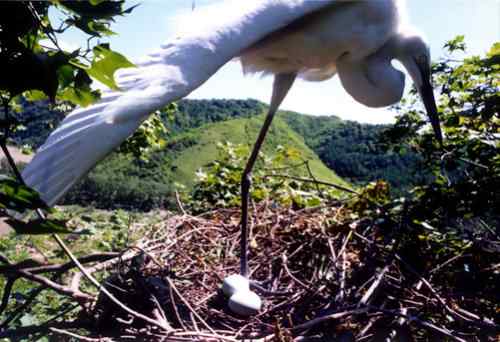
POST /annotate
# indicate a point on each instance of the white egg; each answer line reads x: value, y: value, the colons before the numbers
x: 235, y: 283
x: 245, y: 303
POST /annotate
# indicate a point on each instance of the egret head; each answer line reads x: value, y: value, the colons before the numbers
x: 414, y: 54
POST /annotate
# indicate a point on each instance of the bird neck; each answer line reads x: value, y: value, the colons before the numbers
x: 373, y: 81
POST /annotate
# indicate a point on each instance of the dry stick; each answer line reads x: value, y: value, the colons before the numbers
x: 28, y: 265
x: 422, y: 323
x: 330, y: 317
x: 103, y: 289
x: 287, y: 270
x: 203, y: 334
x: 159, y: 314
x: 193, y: 320
x: 170, y: 282
x: 68, y: 252
x: 342, y: 275
x: 307, y: 180
x: 378, y: 281
x: 309, y: 171
x: 332, y: 250
x: 176, y: 311
x: 362, y: 333
x: 447, y: 262
x: 78, y: 295
x: 78, y: 337
x: 6, y: 293
x: 179, y: 203
x: 341, y: 294
x: 443, y: 302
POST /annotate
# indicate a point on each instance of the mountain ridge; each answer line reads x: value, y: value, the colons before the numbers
x: 339, y: 151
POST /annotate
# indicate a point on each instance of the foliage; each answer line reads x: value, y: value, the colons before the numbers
x: 218, y: 185
x: 150, y: 135
x: 109, y: 231
x: 354, y: 151
x: 155, y: 178
x: 467, y: 168
x: 35, y: 67
x: 33, y: 63
x: 191, y: 132
x: 196, y: 113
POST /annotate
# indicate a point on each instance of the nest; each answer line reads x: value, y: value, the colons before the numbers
x: 322, y: 275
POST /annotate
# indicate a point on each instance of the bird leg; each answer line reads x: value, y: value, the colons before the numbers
x: 281, y: 86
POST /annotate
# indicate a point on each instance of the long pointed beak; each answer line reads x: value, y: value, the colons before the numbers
x: 427, y: 94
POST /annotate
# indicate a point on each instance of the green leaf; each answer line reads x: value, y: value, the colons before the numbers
x: 65, y: 75
x: 458, y: 43
x: 105, y: 63
x: 101, y: 28
x: 79, y: 96
x: 495, y: 50
x: 96, y: 2
x: 18, y: 197
x: 38, y: 226
x: 34, y: 95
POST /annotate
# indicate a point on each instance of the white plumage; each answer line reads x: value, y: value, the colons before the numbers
x: 312, y: 39
x: 178, y: 67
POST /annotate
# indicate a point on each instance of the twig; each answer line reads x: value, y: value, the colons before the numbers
x: 64, y: 290
x: 443, y: 302
x: 309, y: 171
x: 28, y: 265
x: 425, y: 324
x: 179, y: 203
x: 7, y: 289
x: 174, y: 307
x: 340, y: 296
x: 375, y: 285
x: 78, y: 337
x: 330, y: 317
x: 172, y: 285
x: 307, y: 180
x: 284, y: 260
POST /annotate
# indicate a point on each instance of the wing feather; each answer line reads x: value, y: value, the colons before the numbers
x: 87, y: 135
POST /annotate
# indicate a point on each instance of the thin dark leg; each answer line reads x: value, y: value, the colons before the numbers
x: 282, y: 83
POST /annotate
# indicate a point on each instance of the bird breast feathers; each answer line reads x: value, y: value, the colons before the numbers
x: 312, y: 45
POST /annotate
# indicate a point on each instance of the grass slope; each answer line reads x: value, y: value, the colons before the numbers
x: 242, y: 131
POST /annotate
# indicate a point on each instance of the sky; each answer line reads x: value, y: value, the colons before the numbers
x: 155, y: 21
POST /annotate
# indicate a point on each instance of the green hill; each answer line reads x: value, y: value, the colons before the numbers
x: 128, y: 182
x: 349, y: 148
x: 242, y: 131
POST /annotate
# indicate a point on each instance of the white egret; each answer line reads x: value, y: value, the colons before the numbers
x: 313, y: 40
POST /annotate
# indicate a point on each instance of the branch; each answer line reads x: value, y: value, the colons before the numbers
x: 27, y: 265
x: 49, y: 283
x: 21, y: 308
x: 307, y: 180
x: 20, y: 332
x: 78, y: 295
x: 6, y: 293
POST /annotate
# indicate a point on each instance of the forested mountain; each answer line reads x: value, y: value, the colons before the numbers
x: 351, y: 149
x: 348, y: 148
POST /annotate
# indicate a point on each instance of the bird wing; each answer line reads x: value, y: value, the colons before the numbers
x: 178, y: 67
